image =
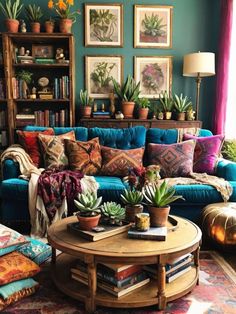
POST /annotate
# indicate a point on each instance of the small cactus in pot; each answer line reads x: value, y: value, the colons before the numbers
x: 112, y: 213
x: 132, y: 200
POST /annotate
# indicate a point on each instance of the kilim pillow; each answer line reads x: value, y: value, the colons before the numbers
x: 117, y: 162
x: 53, y: 149
x: 29, y: 140
x: 206, y: 152
x: 15, y: 266
x: 84, y: 156
x: 175, y: 160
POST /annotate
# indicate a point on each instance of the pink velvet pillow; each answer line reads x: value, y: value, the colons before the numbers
x: 206, y: 152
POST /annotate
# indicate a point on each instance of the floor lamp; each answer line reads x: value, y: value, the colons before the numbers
x: 199, y: 64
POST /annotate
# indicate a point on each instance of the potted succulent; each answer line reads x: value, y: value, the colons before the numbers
x: 34, y: 14
x: 158, y: 199
x: 26, y: 78
x: 89, y: 210
x: 167, y: 104
x: 11, y: 10
x: 144, y: 104
x: 112, y: 213
x: 181, y: 105
x: 49, y: 25
x: 128, y: 94
x: 86, y: 103
x: 132, y: 199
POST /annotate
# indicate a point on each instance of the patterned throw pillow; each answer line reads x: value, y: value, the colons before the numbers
x: 84, y: 156
x: 53, y: 149
x: 29, y: 140
x: 17, y: 290
x: 15, y: 266
x: 206, y: 152
x: 36, y: 250
x: 117, y: 162
x: 175, y: 160
x: 10, y: 240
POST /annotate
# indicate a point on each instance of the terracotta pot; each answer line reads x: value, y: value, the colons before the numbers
x: 49, y: 27
x: 12, y: 25
x: 143, y: 113
x: 86, y: 111
x: 87, y: 223
x: 128, y: 109
x: 65, y: 25
x: 35, y: 27
x: 131, y: 211
x: 158, y: 216
x: 181, y: 116
x: 168, y: 115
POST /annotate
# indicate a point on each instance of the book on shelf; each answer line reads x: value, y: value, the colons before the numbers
x: 119, y: 271
x: 178, y: 272
x: 158, y: 233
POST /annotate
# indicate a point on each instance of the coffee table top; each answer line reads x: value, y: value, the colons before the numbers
x: 187, y: 235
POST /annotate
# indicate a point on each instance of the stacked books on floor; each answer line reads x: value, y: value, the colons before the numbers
x: 116, y: 279
x: 174, y: 269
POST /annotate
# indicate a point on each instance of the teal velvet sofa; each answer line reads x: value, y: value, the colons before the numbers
x: 14, y: 191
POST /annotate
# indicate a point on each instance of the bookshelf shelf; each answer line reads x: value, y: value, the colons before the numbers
x: 41, y: 66
x: 41, y: 100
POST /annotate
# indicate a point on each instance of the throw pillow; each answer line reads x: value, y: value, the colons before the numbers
x: 206, y: 152
x: 53, y: 149
x: 10, y: 240
x: 36, y: 250
x: 84, y: 156
x: 117, y: 162
x: 29, y: 141
x: 17, y: 290
x: 175, y: 160
x: 15, y: 266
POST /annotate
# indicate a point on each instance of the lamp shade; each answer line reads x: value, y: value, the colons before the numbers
x: 199, y: 63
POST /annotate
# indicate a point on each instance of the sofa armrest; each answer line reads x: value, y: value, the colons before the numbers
x: 10, y: 169
x: 226, y: 169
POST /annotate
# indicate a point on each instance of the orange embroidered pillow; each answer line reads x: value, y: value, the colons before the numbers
x: 29, y: 140
x: 117, y: 162
x: 15, y: 266
x: 84, y: 156
x: 53, y: 149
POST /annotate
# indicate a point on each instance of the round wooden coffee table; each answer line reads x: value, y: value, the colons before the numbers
x: 120, y: 249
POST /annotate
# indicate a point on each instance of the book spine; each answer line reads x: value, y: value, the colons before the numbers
x: 120, y: 275
x: 147, y: 237
x: 178, y: 273
x: 122, y: 283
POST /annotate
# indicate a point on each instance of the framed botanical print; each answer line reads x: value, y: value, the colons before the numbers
x: 154, y: 74
x: 153, y: 26
x: 99, y: 72
x: 104, y: 25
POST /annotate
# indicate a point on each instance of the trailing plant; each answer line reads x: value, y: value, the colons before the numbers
x: 85, y: 99
x: 181, y: 103
x: 132, y: 197
x: 11, y: 9
x: 143, y: 102
x: 129, y: 91
x: 153, y: 25
x: 34, y: 13
x: 160, y: 196
x: 88, y: 204
x: 166, y: 101
x: 229, y: 150
x: 24, y: 76
x: 113, y: 213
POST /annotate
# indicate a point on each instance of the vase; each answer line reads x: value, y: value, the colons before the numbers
x: 128, y: 109
x: 65, y: 25
x: 12, y: 25
x: 181, y: 116
x: 168, y: 115
x: 35, y: 27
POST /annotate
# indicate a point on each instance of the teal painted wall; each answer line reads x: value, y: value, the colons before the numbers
x: 195, y: 28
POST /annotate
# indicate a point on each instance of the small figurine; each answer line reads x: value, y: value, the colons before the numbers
x: 22, y: 51
x: 160, y: 116
x: 27, y: 53
x: 103, y: 107
x: 190, y: 115
x: 119, y: 115
x: 112, y: 107
x: 95, y: 107
x: 33, y: 93
x: 23, y: 26
x: 60, y: 55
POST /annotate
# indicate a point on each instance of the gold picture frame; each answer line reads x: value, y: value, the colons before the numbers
x: 99, y: 71
x: 43, y: 51
x: 154, y: 74
x: 103, y: 25
x: 147, y: 36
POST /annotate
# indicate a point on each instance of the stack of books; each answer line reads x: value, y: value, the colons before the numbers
x: 174, y: 269
x: 115, y: 279
x: 102, y: 115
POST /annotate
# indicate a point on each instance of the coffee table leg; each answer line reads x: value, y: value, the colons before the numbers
x: 92, y: 285
x: 161, y: 281
x: 196, y: 261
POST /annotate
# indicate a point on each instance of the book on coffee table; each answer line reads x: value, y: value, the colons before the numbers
x: 158, y: 233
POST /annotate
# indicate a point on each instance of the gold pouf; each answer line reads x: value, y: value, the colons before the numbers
x: 219, y: 221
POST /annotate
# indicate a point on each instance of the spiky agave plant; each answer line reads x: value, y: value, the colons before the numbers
x: 132, y: 197
x: 181, y: 103
x: 34, y: 12
x: 113, y: 213
x: 88, y: 204
x: 166, y: 101
x: 129, y: 91
x: 84, y: 98
x: 11, y: 9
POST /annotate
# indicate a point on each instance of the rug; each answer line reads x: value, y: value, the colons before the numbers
x: 216, y: 294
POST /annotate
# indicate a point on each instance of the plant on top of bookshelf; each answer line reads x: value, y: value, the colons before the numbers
x: 167, y: 104
x: 34, y: 14
x: 49, y: 25
x: 132, y: 199
x: 112, y: 213
x: 11, y: 10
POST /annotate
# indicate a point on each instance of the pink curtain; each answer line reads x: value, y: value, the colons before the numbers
x: 223, y: 66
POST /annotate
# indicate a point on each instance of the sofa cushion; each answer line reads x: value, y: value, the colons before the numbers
x: 14, y: 189
x: 120, y: 138
x: 175, y: 160
x: 84, y: 156
x: 110, y: 188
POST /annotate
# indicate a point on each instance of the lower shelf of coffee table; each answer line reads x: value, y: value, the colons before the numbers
x: 144, y: 296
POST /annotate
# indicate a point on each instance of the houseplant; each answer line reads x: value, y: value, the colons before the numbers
x: 132, y: 199
x: 89, y: 210
x: 26, y: 78
x: 86, y: 103
x: 144, y: 104
x: 229, y: 150
x: 158, y: 198
x: 49, y: 25
x: 11, y: 10
x: 34, y: 14
x: 112, y: 213
x: 167, y: 104
x: 128, y: 94
x: 181, y: 105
